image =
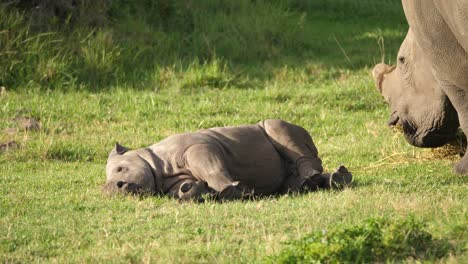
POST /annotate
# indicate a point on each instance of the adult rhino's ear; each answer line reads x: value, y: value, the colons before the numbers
x: 379, y: 72
x: 118, y: 150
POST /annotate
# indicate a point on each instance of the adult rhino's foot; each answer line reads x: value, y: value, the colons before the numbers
x: 462, y: 166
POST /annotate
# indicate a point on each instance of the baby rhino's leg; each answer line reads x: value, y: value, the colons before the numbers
x: 296, y: 146
x: 193, y: 190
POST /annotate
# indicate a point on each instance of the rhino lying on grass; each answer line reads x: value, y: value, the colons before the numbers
x: 428, y: 88
x: 270, y: 157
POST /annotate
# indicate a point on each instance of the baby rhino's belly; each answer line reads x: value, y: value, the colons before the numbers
x: 251, y: 157
x: 262, y: 170
x: 262, y: 180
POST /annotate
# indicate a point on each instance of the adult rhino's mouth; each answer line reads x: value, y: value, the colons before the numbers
x: 418, y: 137
x: 428, y: 140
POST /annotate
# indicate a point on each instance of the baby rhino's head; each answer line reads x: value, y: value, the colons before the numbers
x: 128, y: 173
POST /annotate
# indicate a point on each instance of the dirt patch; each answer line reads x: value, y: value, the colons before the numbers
x: 11, y: 131
x: 8, y: 146
x: 27, y: 123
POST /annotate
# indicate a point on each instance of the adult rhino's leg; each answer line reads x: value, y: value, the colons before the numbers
x: 459, y: 99
x: 462, y: 166
x: 295, y: 145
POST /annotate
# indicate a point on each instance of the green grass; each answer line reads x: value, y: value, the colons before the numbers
x: 51, y: 206
x: 376, y: 240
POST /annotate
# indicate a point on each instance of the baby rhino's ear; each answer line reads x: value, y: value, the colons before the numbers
x: 118, y: 150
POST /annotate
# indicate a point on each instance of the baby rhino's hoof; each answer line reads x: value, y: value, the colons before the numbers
x: 232, y: 192
x: 193, y: 191
x: 340, y: 179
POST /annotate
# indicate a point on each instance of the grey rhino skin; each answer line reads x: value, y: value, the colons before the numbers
x: 416, y: 100
x: 428, y: 89
x: 267, y: 158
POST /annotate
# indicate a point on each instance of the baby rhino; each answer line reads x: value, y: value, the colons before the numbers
x: 270, y: 157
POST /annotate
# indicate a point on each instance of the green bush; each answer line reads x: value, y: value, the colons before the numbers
x: 375, y: 240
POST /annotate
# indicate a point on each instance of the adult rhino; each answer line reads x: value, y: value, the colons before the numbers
x: 427, y: 90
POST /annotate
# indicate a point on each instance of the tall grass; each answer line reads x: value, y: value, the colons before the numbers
x: 136, y: 40
x: 27, y: 57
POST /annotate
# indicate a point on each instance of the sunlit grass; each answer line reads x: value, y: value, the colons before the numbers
x: 92, y: 89
x: 52, y: 207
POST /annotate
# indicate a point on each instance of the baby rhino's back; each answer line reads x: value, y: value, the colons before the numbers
x: 250, y: 156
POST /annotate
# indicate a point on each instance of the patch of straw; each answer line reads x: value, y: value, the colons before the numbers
x: 453, y: 150
x: 393, y: 157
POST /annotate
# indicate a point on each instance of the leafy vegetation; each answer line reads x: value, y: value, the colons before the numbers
x: 138, y: 71
x: 375, y: 240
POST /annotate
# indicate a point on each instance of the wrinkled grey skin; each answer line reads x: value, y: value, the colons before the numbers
x: 435, y: 83
x: 270, y: 157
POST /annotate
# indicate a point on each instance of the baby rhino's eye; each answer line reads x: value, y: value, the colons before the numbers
x: 121, y: 169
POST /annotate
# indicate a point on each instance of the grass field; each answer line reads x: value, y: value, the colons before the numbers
x: 51, y: 206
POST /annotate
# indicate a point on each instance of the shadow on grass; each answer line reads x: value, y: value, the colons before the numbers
x: 154, y: 45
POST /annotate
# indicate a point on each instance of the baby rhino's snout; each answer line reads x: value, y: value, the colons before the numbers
x: 121, y: 187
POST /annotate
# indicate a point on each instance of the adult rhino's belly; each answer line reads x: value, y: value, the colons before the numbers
x: 251, y: 157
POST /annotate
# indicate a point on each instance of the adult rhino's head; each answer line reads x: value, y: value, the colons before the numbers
x: 128, y: 172
x: 416, y: 101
